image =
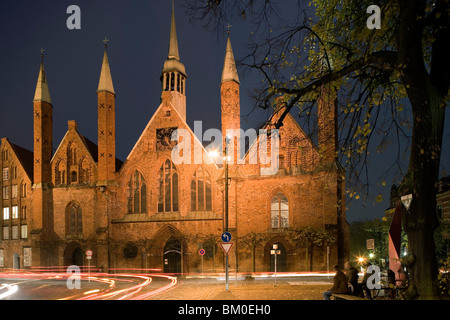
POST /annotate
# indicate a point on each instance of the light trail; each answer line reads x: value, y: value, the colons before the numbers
x: 136, y: 282
x: 123, y: 293
x: 166, y: 288
x: 10, y: 290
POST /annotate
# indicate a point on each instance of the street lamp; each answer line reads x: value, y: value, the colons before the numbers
x: 361, y: 262
x: 226, y: 159
x: 275, y: 252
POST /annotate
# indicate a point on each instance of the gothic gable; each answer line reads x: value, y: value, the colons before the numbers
x: 74, y: 162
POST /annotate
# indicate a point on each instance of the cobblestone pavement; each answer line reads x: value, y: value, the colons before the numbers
x: 211, y: 289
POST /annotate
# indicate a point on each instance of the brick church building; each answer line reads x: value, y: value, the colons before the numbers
x: 150, y: 212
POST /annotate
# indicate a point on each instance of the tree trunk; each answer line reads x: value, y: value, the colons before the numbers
x: 423, y: 171
x: 421, y: 220
x: 306, y: 259
x: 253, y: 258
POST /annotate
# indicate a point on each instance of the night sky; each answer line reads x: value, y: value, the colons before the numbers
x: 139, y: 38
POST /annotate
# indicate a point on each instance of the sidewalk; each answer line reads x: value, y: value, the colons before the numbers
x: 207, y: 289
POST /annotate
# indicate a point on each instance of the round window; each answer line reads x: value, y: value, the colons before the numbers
x: 130, y: 251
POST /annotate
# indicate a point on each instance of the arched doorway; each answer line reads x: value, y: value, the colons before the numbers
x: 73, y: 255
x: 77, y: 257
x: 281, y: 259
x: 172, y: 256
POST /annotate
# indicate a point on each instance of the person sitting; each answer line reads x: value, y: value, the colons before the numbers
x: 339, y: 284
x: 391, y: 283
x: 365, y: 291
x: 352, y: 275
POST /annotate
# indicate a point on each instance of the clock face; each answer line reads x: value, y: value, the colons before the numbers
x: 164, y: 139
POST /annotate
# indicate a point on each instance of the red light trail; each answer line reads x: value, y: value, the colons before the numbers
x: 133, y: 284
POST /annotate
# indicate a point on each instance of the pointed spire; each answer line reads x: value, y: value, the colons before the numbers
x: 229, y: 68
x: 42, y: 93
x: 173, y: 44
x: 173, y: 62
x: 105, y: 83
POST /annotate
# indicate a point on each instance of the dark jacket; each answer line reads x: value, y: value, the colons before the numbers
x: 352, y: 275
x: 339, y: 283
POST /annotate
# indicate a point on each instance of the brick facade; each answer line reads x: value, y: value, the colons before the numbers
x: 149, y: 212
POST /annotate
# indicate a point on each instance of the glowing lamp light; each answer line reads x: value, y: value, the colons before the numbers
x: 213, y: 154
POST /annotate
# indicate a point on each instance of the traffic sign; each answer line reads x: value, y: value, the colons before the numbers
x: 406, y: 200
x: 201, y: 252
x: 226, y: 237
x: 89, y: 253
x: 226, y: 247
x: 370, y: 244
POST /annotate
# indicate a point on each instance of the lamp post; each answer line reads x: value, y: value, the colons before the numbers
x: 275, y: 252
x: 225, y: 226
x: 227, y: 140
x: 103, y: 191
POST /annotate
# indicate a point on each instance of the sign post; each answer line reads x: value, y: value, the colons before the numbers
x: 89, y: 257
x: 227, y: 141
x: 226, y: 247
x: 202, y: 252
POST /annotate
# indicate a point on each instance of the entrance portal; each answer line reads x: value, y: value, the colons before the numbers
x: 172, y: 256
x: 73, y: 255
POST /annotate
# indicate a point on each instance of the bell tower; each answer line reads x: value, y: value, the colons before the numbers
x: 43, y: 149
x: 42, y: 173
x: 230, y: 102
x: 106, y: 97
x: 173, y: 76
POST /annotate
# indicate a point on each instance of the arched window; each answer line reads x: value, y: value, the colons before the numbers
x: 172, y: 82
x: 74, y: 220
x: 60, y: 173
x: 294, y: 152
x: 72, y: 154
x: 201, y: 191
x: 85, y: 171
x: 167, y: 81
x: 168, y: 188
x: 72, y: 163
x: 279, y: 211
x: 74, y: 176
x: 136, y: 194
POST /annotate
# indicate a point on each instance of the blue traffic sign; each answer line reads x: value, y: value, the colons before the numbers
x: 226, y: 237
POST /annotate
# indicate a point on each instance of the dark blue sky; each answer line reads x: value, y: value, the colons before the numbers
x: 139, y: 37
